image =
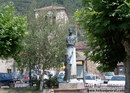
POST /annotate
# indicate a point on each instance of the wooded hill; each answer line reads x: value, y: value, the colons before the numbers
x: 23, y: 6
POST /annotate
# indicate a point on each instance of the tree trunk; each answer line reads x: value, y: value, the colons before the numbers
x: 127, y: 86
x: 127, y: 66
x: 42, y: 82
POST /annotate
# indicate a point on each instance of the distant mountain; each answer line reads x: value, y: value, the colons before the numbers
x: 24, y: 6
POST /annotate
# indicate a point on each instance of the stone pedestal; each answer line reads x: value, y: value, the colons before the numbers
x: 71, y: 85
x: 71, y: 88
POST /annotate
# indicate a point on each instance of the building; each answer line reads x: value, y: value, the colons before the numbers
x: 56, y: 14
x: 80, y: 59
x: 7, y: 66
x: 120, y: 69
x: 81, y: 64
x: 90, y: 66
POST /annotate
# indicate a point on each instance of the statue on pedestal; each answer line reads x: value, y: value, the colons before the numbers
x: 70, y: 64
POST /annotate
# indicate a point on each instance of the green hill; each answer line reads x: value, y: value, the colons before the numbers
x: 24, y: 6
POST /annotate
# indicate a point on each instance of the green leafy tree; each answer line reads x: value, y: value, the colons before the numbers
x: 50, y: 43
x: 12, y: 31
x: 45, y: 45
x: 22, y: 58
x: 107, y: 23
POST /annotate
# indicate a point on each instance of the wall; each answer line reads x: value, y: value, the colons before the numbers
x: 6, y: 65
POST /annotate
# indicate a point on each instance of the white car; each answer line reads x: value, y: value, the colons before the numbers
x: 117, y: 80
x: 108, y: 76
x: 93, y: 80
x: 76, y: 81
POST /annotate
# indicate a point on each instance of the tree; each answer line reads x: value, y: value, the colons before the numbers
x: 12, y: 31
x: 107, y: 25
x: 45, y: 45
x: 50, y: 43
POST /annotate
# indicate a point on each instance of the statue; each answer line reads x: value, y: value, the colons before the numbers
x: 70, y: 64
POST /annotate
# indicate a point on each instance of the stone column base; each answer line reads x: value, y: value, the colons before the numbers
x: 71, y: 88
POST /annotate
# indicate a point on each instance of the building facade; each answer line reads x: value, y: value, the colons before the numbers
x: 7, y: 66
x: 56, y: 14
x: 90, y: 66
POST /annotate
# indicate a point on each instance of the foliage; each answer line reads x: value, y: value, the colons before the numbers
x: 45, y: 45
x: 52, y: 82
x: 107, y: 26
x: 12, y: 31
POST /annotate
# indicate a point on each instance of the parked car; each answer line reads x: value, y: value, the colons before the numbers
x: 60, y: 77
x: 26, y: 77
x: 7, y: 79
x: 117, y: 80
x: 76, y: 81
x: 93, y: 80
x: 108, y: 76
x: 17, y: 76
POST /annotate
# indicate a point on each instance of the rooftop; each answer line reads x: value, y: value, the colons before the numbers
x: 51, y: 8
x: 80, y: 45
x: 80, y: 56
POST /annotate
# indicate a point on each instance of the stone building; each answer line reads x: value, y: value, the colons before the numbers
x: 7, y: 66
x: 120, y: 69
x: 56, y: 14
x: 90, y: 66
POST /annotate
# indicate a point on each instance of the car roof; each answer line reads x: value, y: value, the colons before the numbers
x: 119, y: 76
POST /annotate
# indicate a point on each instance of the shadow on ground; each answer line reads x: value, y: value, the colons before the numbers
x: 19, y: 90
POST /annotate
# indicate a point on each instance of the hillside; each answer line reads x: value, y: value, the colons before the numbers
x: 23, y: 6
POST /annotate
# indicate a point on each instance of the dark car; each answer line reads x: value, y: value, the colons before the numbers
x: 7, y: 79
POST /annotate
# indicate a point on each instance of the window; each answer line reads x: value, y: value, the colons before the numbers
x: 9, y: 70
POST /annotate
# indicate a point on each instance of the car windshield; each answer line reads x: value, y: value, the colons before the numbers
x: 61, y: 75
x: 109, y: 74
x: 90, y: 77
x: 118, y: 78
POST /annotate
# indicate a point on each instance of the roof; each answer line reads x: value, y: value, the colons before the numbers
x: 51, y: 8
x: 80, y: 56
x: 80, y: 45
x: 119, y: 64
